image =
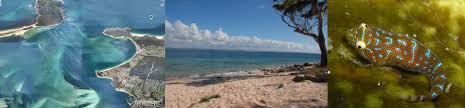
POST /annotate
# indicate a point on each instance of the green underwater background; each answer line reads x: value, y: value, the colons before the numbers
x: 437, y: 24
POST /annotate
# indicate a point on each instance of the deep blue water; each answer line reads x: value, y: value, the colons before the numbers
x: 56, y: 66
x: 187, y: 62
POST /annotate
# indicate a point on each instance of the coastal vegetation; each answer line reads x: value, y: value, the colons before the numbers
x: 208, y: 98
x: 306, y: 17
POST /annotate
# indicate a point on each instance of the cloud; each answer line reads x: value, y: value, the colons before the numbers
x: 180, y: 35
x: 261, y: 6
x: 162, y: 3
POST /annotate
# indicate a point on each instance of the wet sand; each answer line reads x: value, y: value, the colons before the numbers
x: 246, y: 90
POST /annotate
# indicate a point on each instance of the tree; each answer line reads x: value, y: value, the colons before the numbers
x: 303, y: 16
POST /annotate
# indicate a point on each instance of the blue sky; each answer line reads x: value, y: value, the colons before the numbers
x: 243, y: 18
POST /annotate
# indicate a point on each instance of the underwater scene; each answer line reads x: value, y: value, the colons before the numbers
x: 390, y: 53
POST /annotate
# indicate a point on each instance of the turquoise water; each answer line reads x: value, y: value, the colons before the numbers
x: 56, y: 67
x: 187, y: 62
x: 15, y: 13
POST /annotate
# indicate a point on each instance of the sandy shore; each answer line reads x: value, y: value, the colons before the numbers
x: 16, y: 31
x: 142, y: 35
x: 41, y: 8
x: 246, y: 90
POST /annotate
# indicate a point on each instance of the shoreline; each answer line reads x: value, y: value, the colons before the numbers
x: 145, y: 34
x: 285, y: 86
x: 119, y: 65
x: 16, y: 31
x: 216, y: 73
x: 129, y: 60
x: 20, y: 31
x: 133, y: 85
x: 133, y: 42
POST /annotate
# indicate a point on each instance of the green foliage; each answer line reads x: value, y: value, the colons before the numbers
x: 300, y: 14
x: 292, y: 6
x: 305, y: 17
x: 158, y: 91
x: 206, y: 99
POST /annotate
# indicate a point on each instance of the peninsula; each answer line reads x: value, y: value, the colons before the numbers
x: 134, y: 76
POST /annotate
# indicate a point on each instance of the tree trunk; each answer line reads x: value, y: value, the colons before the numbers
x: 324, y: 53
x: 321, y: 39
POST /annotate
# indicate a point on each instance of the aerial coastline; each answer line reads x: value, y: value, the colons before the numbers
x: 147, y: 46
x: 45, y: 23
x: 46, y: 17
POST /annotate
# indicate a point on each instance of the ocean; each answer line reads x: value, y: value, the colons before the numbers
x: 56, y: 67
x: 182, y: 62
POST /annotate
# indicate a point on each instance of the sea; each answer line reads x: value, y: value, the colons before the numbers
x: 186, y: 62
x: 55, y: 67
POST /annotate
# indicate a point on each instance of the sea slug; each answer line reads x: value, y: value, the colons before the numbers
x: 382, y: 48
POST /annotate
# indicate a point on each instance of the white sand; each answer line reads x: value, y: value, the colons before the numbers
x: 16, y: 31
x: 277, y: 91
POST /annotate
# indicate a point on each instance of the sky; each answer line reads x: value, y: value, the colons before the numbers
x: 232, y: 24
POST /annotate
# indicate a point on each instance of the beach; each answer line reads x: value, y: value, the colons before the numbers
x: 285, y: 86
x: 16, y: 31
x: 46, y: 17
x: 132, y: 76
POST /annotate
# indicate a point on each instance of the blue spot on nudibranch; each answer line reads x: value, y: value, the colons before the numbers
x: 443, y: 76
x: 390, y: 40
x: 440, y: 64
x: 433, y: 94
x: 377, y: 41
x: 399, y: 57
x: 414, y: 47
x: 402, y: 42
x: 378, y: 49
x: 380, y: 56
x: 369, y: 41
x: 377, y: 34
x: 363, y: 36
x: 370, y: 50
x: 388, y: 53
x: 440, y: 87
x: 428, y: 53
x: 398, y: 49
